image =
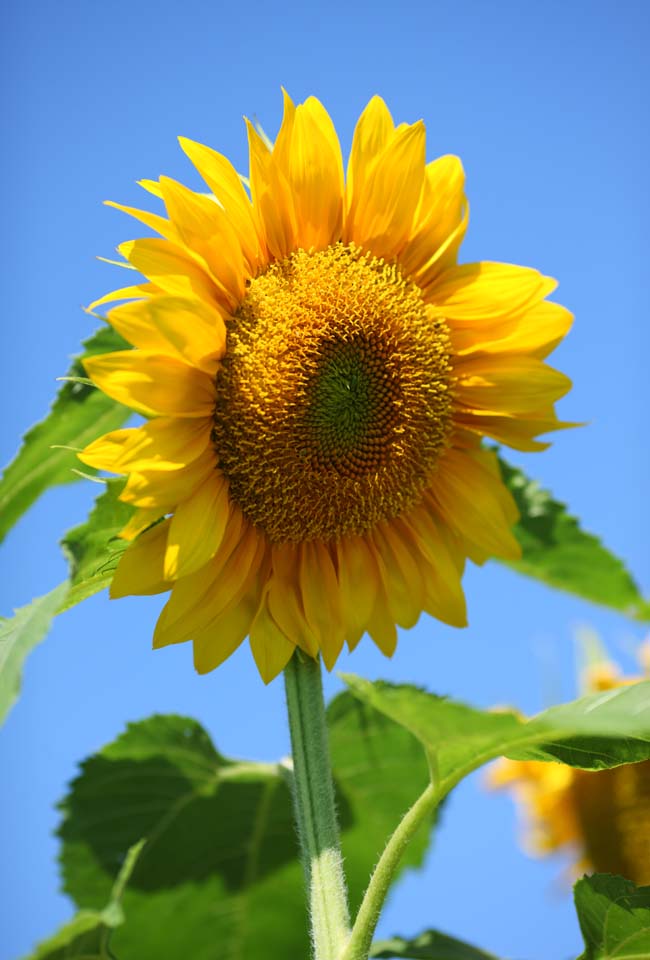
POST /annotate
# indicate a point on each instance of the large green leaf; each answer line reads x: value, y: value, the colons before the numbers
x: 595, y: 732
x: 556, y: 550
x: 79, y: 414
x: 430, y: 945
x: 87, y: 935
x: 18, y: 636
x: 94, y: 548
x: 614, y: 917
x: 214, y: 828
x: 220, y: 864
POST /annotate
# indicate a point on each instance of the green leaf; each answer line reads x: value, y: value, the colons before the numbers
x: 87, y: 935
x: 93, y: 549
x: 80, y: 413
x: 220, y: 863
x: 557, y: 551
x: 430, y: 945
x: 594, y: 733
x: 18, y: 636
x: 614, y: 917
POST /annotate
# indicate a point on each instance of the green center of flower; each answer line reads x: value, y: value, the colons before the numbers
x: 333, y: 400
x: 348, y: 412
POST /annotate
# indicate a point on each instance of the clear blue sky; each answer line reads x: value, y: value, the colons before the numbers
x: 546, y: 103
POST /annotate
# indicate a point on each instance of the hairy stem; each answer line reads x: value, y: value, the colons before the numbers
x: 358, y: 947
x: 315, y: 809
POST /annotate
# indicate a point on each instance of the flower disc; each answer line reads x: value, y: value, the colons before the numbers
x: 333, y: 400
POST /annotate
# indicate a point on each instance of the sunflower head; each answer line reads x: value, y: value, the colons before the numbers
x: 335, y: 370
x: 317, y: 374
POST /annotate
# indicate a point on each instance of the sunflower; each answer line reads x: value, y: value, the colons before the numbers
x: 317, y: 375
x: 601, y: 817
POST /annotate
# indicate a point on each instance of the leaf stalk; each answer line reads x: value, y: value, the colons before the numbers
x: 360, y: 942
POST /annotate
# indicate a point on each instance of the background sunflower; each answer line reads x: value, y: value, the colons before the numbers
x: 598, y: 818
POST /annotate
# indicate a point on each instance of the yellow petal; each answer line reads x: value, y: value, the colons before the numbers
x: 131, y: 320
x: 443, y: 259
x: 160, y: 224
x: 171, y: 268
x: 441, y: 570
x: 476, y: 294
x: 106, y: 452
x: 151, y: 186
x: 489, y: 461
x: 537, y: 333
x: 315, y: 174
x: 184, y: 615
x: 152, y: 384
x: 165, y: 443
x: 244, y: 576
x: 373, y: 130
x: 476, y: 503
x: 205, y: 229
x: 197, y: 528
x: 164, y: 489
x: 168, y: 443
x: 272, y: 198
x: 440, y: 213
x: 139, y: 522
x: 125, y: 293
x: 382, y: 221
x: 518, y: 384
x: 226, y: 633
x: 225, y: 183
x: 400, y: 574
x: 283, y: 599
x: 515, y: 430
x: 320, y: 599
x: 271, y: 649
x: 358, y: 583
x: 140, y: 570
x: 199, y: 599
x: 281, y: 150
x: 189, y: 330
x: 443, y: 197
x: 381, y: 625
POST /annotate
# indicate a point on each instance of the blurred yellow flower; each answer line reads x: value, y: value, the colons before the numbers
x: 602, y: 817
x: 319, y: 373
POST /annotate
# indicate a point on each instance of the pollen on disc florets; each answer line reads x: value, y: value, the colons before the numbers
x: 333, y: 399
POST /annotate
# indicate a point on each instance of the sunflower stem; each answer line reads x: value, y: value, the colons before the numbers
x: 313, y: 793
x: 360, y: 941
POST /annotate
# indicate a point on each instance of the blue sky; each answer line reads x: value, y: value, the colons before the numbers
x: 545, y: 105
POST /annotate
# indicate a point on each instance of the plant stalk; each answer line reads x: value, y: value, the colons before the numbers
x: 315, y: 808
x: 360, y: 941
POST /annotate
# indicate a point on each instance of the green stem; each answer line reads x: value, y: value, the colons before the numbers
x: 360, y: 941
x: 315, y: 809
